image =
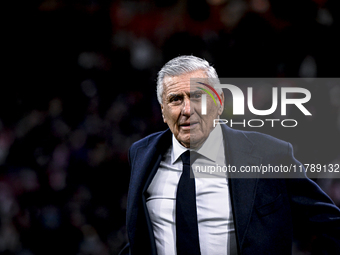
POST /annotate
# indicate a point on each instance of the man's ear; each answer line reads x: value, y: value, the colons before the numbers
x: 164, y: 119
x: 221, y: 108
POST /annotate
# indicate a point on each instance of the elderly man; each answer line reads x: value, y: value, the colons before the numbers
x: 170, y: 213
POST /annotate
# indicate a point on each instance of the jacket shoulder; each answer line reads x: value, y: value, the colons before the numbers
x: 151, y: 140
x: 261, y: 144
x: 146, y: 140
x: 264, y: 139
x: 265, y: 145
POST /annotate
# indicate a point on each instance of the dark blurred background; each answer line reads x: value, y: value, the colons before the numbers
x: 81, y: 90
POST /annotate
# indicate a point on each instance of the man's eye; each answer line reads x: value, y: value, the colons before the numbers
x: 175, y: 99
x: 196, y: 96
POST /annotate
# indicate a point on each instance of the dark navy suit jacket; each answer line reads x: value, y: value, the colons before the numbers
x: 268, y: 213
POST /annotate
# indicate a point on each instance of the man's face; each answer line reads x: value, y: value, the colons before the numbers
x: 183, y: 115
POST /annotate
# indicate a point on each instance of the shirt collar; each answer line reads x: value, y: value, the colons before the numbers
x: 177, y: 150
x: 209, y: 149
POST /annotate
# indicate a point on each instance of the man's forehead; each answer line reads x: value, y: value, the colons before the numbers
x: 184, y: 78
x: 178, y: 81
x: 184, y: 92
x: 179, y: 90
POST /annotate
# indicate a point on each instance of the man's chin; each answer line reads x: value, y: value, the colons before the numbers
x: 191, y: 139
x: 184, y: 139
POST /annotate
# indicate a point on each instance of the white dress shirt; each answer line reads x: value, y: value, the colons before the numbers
x: 214, y: 214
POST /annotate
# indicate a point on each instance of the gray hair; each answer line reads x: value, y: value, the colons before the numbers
x: 182, y: 65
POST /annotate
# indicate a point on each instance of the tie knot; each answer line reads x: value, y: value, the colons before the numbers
x: 189, y: 157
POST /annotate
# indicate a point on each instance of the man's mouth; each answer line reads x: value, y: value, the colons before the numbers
x: 188, y: 125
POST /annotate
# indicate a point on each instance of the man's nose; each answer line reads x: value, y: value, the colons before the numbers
x: 186, y: 107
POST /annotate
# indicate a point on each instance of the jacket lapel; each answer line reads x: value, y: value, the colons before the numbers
x: 145, y: 169
x: 149, y: 154
x: 242, y: 186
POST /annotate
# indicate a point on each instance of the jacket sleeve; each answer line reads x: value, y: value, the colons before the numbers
x: 125, y: 250
x: 313, y: 212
